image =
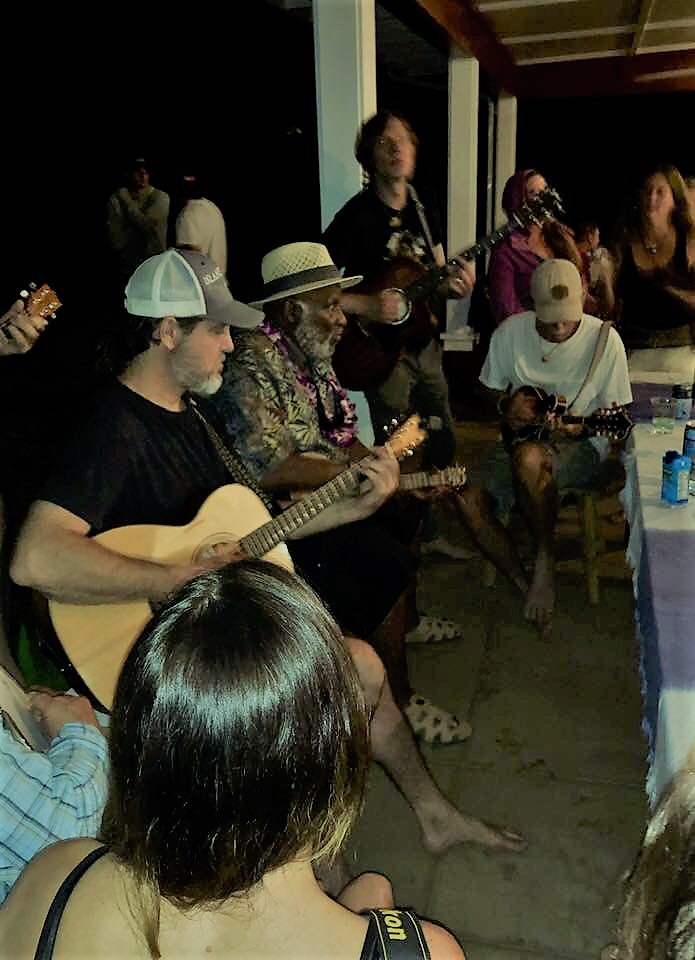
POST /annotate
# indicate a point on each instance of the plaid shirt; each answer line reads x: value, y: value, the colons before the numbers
x: 46, y: 797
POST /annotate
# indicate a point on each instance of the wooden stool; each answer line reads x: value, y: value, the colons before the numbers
x: 593, y: 545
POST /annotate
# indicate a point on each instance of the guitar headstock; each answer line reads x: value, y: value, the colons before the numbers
x: 41, y: 301
x: 407, y: 437
x: 611, y: 422
x: 545, y: 206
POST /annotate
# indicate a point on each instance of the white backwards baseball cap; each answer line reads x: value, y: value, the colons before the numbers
x: 186, y: 283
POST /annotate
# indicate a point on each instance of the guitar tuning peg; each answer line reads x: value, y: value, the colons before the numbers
x: 24, y: 294
x: 32, y: 286
x: 409, y: 452
x: 394, y: 422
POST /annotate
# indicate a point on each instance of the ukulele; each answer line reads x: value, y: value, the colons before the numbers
x: 364, y: 357
x: 39, y: 302
x: 550, y: 411
x: 96, y: 638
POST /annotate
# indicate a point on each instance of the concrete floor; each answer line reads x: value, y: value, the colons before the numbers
x: 556, y: 752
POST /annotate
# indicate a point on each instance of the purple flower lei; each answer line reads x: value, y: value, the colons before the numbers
x: 341, y: 436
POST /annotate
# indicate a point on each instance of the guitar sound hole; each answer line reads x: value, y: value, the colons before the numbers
x: 210, y: 547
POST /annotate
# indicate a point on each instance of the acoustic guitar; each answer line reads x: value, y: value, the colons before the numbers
x: 365, y: 356
x: 96, y: 638
x: 550, y: 411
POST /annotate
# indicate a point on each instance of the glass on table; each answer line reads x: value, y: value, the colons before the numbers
x: 663, y: 414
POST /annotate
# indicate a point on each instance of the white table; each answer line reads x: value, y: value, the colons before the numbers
x: 661, y: 552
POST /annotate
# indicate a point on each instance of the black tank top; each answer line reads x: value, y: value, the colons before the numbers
x: 391, y: 934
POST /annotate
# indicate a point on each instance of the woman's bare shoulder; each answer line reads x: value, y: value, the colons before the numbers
x: 24, y: 911
x: 443, y: 945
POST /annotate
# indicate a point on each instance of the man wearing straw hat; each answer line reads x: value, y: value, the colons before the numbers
x: 296, y: 429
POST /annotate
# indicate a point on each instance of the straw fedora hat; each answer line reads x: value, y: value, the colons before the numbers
x: 298, y: 268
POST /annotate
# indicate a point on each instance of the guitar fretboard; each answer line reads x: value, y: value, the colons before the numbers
x: 258, y: 543
x: 421, y: 480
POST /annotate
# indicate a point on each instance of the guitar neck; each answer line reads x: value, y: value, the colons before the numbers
x: 260, y: 541
x: 435, y: 274
x: 420, y: 480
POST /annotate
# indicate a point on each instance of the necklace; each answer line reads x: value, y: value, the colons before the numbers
x: 339, y: 429
x: 545, y: 357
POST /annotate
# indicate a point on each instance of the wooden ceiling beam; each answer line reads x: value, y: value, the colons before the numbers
x: 607, y: 76
x: 470, y: 30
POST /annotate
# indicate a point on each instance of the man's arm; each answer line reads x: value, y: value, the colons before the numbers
x: 301, y: 471
x: 382, y: 476
x: 152, y: 219
x: 55, y: 556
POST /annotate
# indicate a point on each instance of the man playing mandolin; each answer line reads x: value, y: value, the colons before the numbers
x: 555, y: 350
x: 385, y: 222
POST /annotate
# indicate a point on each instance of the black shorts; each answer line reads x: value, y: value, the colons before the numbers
x: 361, y: 569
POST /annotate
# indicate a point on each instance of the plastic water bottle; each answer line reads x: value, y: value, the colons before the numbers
x: 683, y: 401
x: 675, y: 475
x: 689, y: 451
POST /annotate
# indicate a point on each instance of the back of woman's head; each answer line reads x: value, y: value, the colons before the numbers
x: 238, y: 736
x: 657, y: 921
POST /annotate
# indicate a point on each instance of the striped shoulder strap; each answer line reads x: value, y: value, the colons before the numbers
x: 399, y: 935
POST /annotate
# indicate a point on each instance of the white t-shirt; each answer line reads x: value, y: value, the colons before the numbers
x: 515, y: 358
x: 201, y: 225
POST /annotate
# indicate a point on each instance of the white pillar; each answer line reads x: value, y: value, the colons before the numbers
x: 345, y: 64
x: 463, y: 169
x: 505, y: 149
x: 345, y: 67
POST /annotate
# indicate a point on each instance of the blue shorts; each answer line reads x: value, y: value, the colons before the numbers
x: 576, y: 464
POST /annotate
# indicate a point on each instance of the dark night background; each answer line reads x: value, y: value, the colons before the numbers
x: 239, y: 99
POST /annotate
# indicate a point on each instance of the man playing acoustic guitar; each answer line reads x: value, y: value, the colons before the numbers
x: 147, y: 454
x: 552, y: 348
x: 382, y: 223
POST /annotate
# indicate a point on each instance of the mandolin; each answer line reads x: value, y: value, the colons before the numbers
x: 550, y: 411
x: 365, y: 356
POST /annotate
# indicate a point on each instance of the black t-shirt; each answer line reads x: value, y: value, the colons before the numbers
x: 130, y: 461
x: 366, y: 232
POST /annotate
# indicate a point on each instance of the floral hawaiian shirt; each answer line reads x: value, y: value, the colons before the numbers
x: 268, y: 408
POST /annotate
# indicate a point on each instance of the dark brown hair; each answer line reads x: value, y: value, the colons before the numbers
x: 371, y: 131
x: 238, y: 740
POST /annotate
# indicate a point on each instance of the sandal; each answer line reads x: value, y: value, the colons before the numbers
x: 434, y: 725
x: 434, y: 630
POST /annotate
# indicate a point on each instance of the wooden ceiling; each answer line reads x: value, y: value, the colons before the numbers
x: 544, y: 48
x: 572, y: 47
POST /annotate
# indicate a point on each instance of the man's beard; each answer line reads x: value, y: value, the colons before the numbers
x: 313, y: 342
x: 192, y: 382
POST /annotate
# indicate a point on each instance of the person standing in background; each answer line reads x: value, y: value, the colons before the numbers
x: 200, y: 224
x: 136, y: 219
x: 655, y: 278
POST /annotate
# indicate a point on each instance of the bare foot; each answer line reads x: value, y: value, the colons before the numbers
x: 441, y: 834
x: 445, y: 547
x: 540, y: 599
